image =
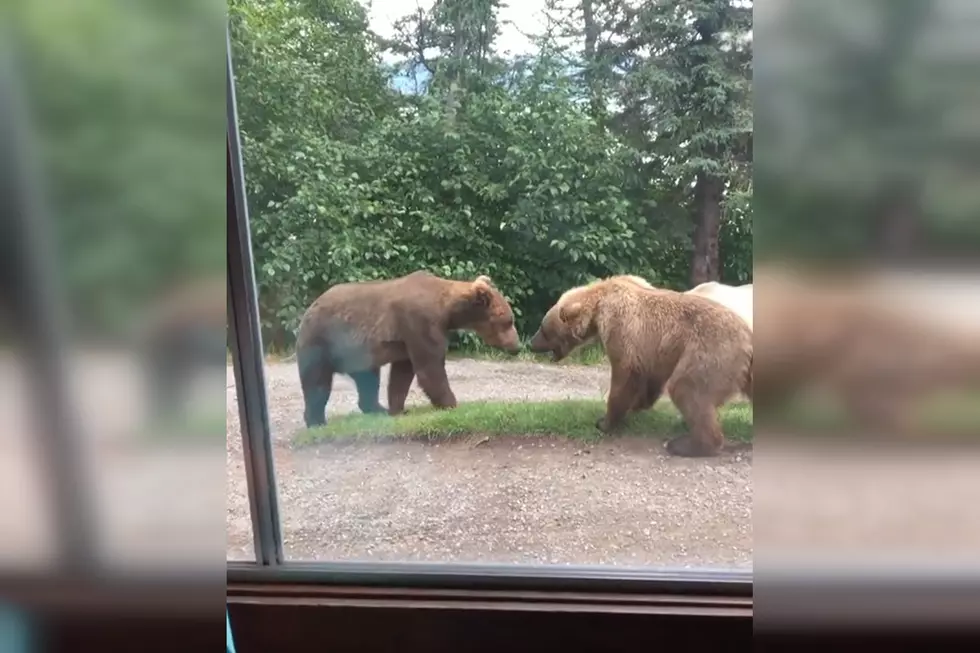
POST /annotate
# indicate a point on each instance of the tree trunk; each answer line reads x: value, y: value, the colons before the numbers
x: 457, y: 57
x: 591, y: 32
x: 705, y: 265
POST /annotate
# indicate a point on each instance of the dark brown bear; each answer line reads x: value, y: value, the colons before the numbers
x: 183, y: 332
x: 696, y: 349
x: 356, y: 328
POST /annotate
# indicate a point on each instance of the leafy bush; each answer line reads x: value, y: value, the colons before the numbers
x: 512, y: 176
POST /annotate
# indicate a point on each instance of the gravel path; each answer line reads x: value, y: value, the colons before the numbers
x: 622, y: 501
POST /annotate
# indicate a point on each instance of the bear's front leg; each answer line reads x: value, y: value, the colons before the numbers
x: 435, y: 384
x: 624, y: 389
x: 427, y: 352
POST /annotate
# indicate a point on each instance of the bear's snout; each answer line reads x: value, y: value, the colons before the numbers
x: 508, y: 341
x: 512, y: 343
x: 539, y: 344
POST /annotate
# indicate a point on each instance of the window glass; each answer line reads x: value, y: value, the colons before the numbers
x: 113, y: 287
x: 424, y: 187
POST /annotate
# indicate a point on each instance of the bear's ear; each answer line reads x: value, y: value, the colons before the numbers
x: 482, y: 291
x: 483, y: 280
x: 569, y: 312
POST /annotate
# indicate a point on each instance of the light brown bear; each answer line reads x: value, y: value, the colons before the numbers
x: 735, y: 298
x: 872, y: 352
x: 356, y: 328
x: 652, y: 337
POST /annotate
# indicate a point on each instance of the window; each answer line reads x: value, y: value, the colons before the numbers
x: 108, y: 207
x: 501, y: 169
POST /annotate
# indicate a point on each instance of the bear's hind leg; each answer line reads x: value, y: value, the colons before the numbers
x: 704, y: 437
x: 434, y: 382
x: 316, y: 380
x: 368, y: 384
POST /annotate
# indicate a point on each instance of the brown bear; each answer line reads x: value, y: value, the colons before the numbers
x: 183, y: 331
x: 656, y: 339
x: 878, y: 358
x: 356, y: 328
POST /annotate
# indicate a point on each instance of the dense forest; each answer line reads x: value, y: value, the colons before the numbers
x: 622, y: 143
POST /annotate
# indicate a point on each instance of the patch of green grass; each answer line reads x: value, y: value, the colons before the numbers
x: 590, y: 355
x: 957, y: 412
x: 951, y: 413
x: 192, y: 421
x: 570, y: 418
x: 199, y: 428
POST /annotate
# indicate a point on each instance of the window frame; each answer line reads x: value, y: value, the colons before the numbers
x: 271, y: 574
x: 40, y: 325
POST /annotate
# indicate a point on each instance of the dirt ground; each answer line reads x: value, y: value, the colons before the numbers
x: 621, y: 501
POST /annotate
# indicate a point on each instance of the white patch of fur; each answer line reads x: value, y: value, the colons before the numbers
x: 735, y: 298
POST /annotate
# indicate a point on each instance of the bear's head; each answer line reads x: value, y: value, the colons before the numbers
x: 484, y: 310
x: 569, y: 324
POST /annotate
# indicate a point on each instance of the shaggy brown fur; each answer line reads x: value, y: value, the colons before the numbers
x: 640, y: 281
x: 356, y: 328
x: 877, y: 361
x: 700, y: 351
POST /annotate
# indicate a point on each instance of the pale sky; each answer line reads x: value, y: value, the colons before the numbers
x: 525, y: 14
